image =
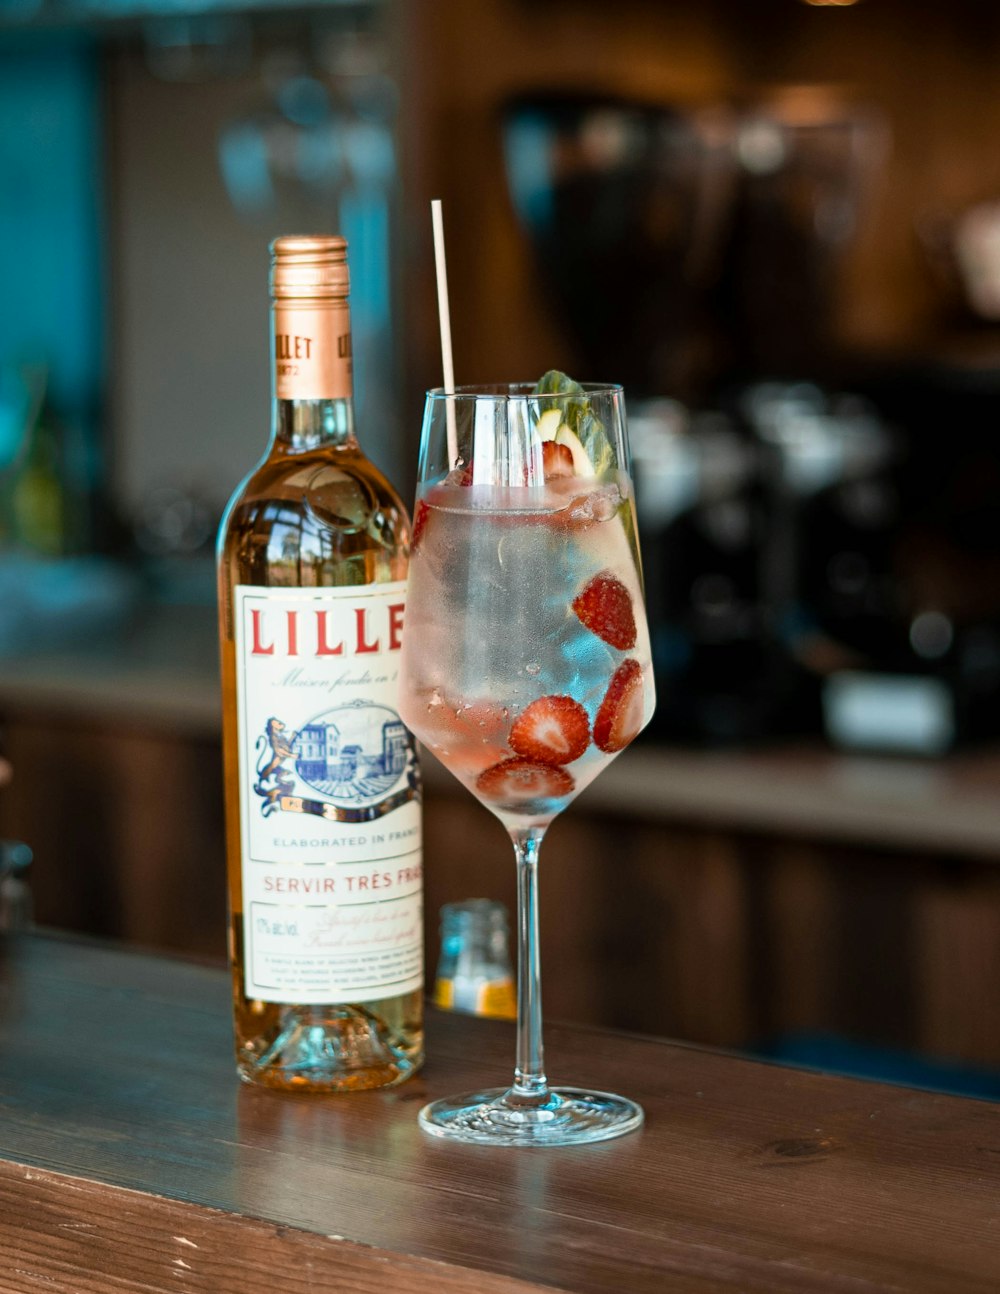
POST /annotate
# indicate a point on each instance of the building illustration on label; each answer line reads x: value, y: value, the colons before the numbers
x: 352, y: 755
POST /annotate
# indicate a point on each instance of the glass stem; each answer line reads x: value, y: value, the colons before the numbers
x: 529, y: 1073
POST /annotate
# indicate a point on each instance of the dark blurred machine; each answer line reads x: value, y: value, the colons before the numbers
x: 625, y: 207
x: 814, y: 560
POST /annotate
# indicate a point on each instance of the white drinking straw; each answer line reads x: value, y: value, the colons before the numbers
x: 444, y: 315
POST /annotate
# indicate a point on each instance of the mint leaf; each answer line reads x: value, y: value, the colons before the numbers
x: 556, y: 383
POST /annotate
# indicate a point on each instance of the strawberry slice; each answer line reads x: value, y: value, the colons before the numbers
x: 552, y: 730
x: 619, y: 718
x: 557, y: 460
x: 461, y: 474
x: 605, y: 607
x: 419, y: 523
x: 519, y: 781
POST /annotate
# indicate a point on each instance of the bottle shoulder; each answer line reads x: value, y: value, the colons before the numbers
x: 320, y: 507
x: 342, y: 470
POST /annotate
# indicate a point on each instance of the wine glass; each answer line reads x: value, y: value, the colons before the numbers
x: 525, y: 666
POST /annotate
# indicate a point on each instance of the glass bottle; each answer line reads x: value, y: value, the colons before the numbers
x: 322, y: 787
x: 475, y: 973
x: 16, y: 903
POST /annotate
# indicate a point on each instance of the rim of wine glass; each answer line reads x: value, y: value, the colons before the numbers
x: 521, y: 391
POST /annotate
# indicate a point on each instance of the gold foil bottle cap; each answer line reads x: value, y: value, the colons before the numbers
x: 306, y: 267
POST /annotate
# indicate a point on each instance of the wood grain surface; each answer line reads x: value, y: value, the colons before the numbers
x: 132, y: 1159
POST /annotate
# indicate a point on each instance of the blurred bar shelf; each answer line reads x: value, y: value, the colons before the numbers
x: 132, y: 1158
x: 947, y: 805
x: 163, y: 678
x: 161, y: 674
x: 73, y: 14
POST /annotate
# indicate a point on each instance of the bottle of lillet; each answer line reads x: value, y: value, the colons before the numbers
x: 322, y: 787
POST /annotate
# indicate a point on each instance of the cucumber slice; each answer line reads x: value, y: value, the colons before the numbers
x: 582, y: 466
x: 573, y: 405
x: 548, y: 424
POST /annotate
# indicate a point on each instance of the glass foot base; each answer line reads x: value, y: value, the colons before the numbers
x: 569, y: 1116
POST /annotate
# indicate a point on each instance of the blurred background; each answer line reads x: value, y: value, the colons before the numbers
x: 777, y: 222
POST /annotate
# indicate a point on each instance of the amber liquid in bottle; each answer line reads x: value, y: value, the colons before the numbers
x: 314, y: 514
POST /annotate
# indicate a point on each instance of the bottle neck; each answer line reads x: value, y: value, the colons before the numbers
x: 298, y: 425
x: 311, y: 377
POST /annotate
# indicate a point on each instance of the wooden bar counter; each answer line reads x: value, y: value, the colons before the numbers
x: 132, y: 1159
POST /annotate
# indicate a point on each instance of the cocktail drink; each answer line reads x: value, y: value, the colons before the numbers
x: 526, y: 664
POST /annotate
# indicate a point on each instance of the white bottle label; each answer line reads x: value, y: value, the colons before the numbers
x: 329, y: 796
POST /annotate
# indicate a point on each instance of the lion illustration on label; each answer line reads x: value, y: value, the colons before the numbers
x: 270, y: 768
x: 352, y: 755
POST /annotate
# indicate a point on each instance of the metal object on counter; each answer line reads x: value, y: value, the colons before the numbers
x: 767, y: 540
x: 700, y: 501
x: 823, y: 459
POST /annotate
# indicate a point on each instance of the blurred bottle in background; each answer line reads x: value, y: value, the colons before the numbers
x: 474, y: 972
x: 16, y: 905
x: 46, y: 495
